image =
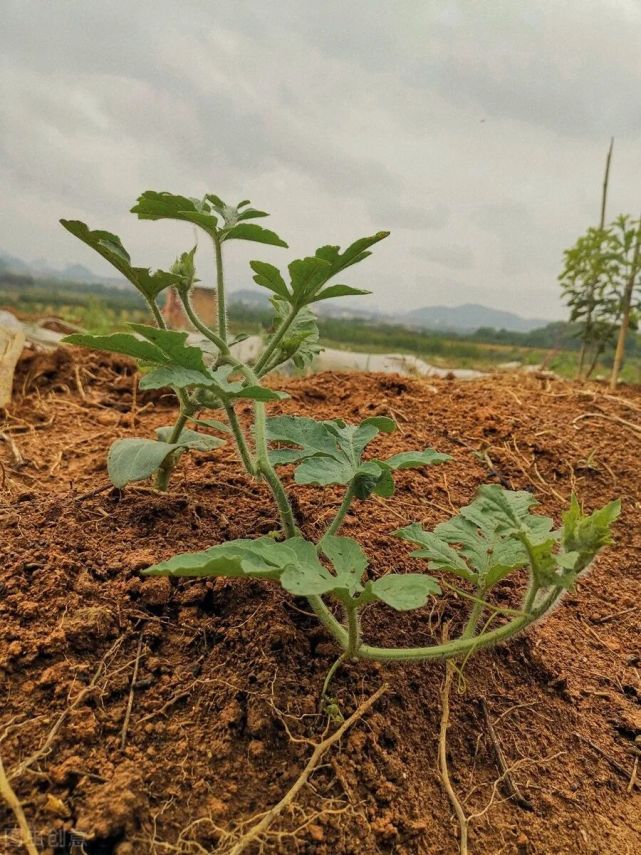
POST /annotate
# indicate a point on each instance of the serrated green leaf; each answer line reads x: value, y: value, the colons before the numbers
x: 190, y: 439
x: 262, y: 558
x: 301, y: 341
x: 250, y: 231
x: 171, y: 376
x: 402, y: 592
x: 136, y: 459
x: 349, y: 562
x: 173, y: 344
x: 416, y: 459
x: 331, y: 451
x: 440, y: 555
x: 307, y: 277
x: 110, y: 247
x: 354, y: 253
x: 124, y: 343
x: 152, y: 205
x: 269, y: 276
x: 340, y: 291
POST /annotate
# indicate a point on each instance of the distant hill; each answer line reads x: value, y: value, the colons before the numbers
x: 464, y: 319
x: 40, y: 269
x: 469, y: 318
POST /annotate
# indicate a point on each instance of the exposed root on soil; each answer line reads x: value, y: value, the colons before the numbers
x: 442, y: 760
x: 26, y: 764
x: 510, y: 783
x: 231, y: 844
x: 9, y: 796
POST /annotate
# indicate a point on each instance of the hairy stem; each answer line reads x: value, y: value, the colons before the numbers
x: 220, y: 343
x: 241, y: 442
x: 475, y: 616
x: 220, y: 291
x: 330, y: 675
x: 353, y: 632
x: 160, y: 321
x: 341, y: 513
x: 163, y: 474
x: 460, y: 646
x: 263, y: 363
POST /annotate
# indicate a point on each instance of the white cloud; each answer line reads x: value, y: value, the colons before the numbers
x: 476, y: 132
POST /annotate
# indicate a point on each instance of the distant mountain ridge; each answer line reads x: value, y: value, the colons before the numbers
x: 470, y: 317
x: 70, y: 273
x: 466, y: 318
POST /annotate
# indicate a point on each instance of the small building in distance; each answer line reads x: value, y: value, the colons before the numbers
x: 202, y: 299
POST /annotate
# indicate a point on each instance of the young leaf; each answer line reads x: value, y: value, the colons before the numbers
x: 269, y: 277
x: 110, y: 247
x: 152, y: 205
x: 191, y: 439
x: 125, y: 343
x: 349, y: 561
x: 354, y: 253
x: 402, y: 592
x: 174, y: 376
x: 301, y: 341
x: 416, y: 459
x: 136, y: 459
x: 440, y: 554
x: 262, y: 558
x: 340, y: 291
x: 250, y: 231
x: 174, y: 345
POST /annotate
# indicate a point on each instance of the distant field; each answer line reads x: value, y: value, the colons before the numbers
x: 102, y: 308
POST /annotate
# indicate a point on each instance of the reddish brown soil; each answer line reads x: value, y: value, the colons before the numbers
x: 224, y: 665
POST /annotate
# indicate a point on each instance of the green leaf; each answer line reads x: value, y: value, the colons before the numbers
x: 402, y: 592
x: 416, y: 459
x: 586, y: 534
x: 331, y: 451
x: 307, y: 277
x: 152, y: 205
x: 301, y: 341
x: 211, y: 423
x: 354, y: 253
x: 174, y: 376
x: 110, y: 247
x: 190, y: 439
x: 174, y: 345
x: 349, y: 561
x: 136, y: 459
x: 440, y: 554
x: 124, y: 343
x: 262, y: 558
x: 270, y: 277
x: 340, y: 291
x: 250, y: 231
x: 260, y: 393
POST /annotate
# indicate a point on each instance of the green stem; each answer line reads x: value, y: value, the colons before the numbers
x: 330, y: 675
x: 460, y: 646
x: 335, y: 629
x: 167, y: 466
x: 220, y: 291
x: 475, y: 616
x: 341, y: 513
x: 160, y: 321
x: 241, y: 443
x: 262, y: 364
x: 200, y: 326
x: 353, y: 632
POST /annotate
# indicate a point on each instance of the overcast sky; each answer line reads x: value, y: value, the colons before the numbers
x: 475, y: 132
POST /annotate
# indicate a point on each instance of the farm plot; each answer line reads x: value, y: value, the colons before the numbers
x: 166, y: 715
